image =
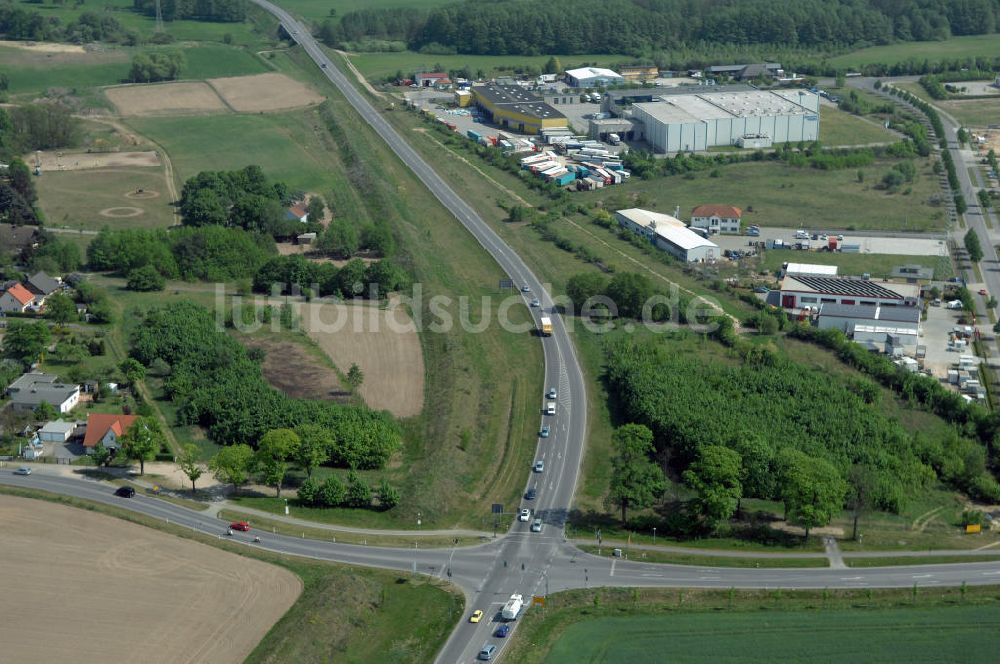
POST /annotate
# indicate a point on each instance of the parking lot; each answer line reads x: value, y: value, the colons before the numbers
x: 868, y: 244
x: 936, y: 329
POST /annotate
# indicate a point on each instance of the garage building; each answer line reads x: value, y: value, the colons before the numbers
x: 516, y: 109
x: 668, y: 234
x: 695, y: 121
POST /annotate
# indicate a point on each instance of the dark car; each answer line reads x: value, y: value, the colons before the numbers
x: 502, y: 631
x: 125, y: 492
x: 530, y: 495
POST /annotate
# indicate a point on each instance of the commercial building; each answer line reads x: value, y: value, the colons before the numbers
x: 516, y: 109
x: 746, y: 72
x: 432, y: 79
x: 593, y: 77
x: 885, y: 329
x: 717, y: 218
x: 811, y: 291
x: 695, y: 120
x: 33, y: 389
x: 668, y: 234
x: 639, y: 73
x: 808, y: 269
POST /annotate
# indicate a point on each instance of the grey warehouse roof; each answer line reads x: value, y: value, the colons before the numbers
x: 517, y: 99
x: 843, y: 286
x: 866, y: 312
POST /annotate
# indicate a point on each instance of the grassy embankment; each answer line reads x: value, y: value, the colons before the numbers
x: 655, y: 625
x: 344, y: 614
x: 957, y: 47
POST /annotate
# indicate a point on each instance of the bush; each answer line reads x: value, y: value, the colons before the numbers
x: 145, y: 278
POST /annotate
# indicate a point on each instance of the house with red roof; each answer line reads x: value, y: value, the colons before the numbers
x: 16, y: 299
x: 717, y: 218
x: 106, y: 429
x: 435, y: 79
x: 297, y: 212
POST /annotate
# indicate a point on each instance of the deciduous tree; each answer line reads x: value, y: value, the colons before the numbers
x: 189, y: 464
x: 141, y: 442
x: 231, y: 465
x: 811, y: 488
x: 715, y: 476
x: 636, y: 482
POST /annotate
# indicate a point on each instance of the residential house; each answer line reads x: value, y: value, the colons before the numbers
x: 42, y: 285
x: 297, y: 212
x: 106, y: 429
x: 34, y: 388
x: 16, y: 299
x: 717, y: 218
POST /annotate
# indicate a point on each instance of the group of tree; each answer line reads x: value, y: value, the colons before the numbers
x: 625, y: 295
x: 298, y: 275
x: 26, y: 341
x: 17, y: 195
x: 344, y: 238
x: 18, y: 22
x: 766, y: 427
x: 215, y: 383
x: 153, y: 66
x: 524, y: 27
x: 245, y: 199
x: 223, y: 11
x: 973, y: 246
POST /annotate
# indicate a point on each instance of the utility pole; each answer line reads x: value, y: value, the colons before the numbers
x: 159, y: 18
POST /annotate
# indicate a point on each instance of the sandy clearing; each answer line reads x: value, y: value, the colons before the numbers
x: 43, y: 47
x: 382, y: 342
x: 92, y: 588
x: 264, y: 92
x: 78, y: 161
x: 165, y: 99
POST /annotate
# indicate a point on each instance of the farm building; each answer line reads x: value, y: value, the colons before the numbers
x: 806, y: 290
x: 717, y: 218
x: 431, y: 79
x: 16, y: 299
x: 593, y: 77
x: 669, y: 234
x: 690, y: 121
x: 808, y: 269
x: 516, y: 109
x: 639, y: 73
x: 33, y: 389
x: 880, y: 328
x: 106, y: 429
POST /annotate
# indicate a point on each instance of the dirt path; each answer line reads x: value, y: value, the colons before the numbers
x: 361, y: 79
x: 509, y: 192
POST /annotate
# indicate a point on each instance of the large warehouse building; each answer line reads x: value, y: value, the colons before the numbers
x: 668, y: 234
x: 516, y: 109
x: 694, y: 121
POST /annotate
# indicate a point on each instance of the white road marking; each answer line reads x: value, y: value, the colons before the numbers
x: 613, y: 561
x: 850, y: 578
x: 990, y: 573
x: 922, y: 576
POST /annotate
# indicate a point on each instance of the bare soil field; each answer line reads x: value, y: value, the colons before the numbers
x: 291, y: 369
x: 43, y: 47
x: 264, y: 92
x: 382, y: 342
x: 78, y: 161
x: 165, y: 99
x: 86, y: 587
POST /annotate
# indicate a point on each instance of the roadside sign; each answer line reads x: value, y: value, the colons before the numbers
x: 506, y: 284
x: 537, y: 600
x: 973, y: 528
x: 497, y: 508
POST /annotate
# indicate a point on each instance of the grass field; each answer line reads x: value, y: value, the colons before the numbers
x: 913, y: 635
x: 785, y: 196
x: 77, y: 199
x: 877, y: 265
x: 377, y: 66
x: 987, y: 46
x: 320, y: 9
x: 975, y: 113
x: 839, y: 128
x: 376, y: 624
x: 32, y: 73
x: 699, y: 560
x: 689, y: 625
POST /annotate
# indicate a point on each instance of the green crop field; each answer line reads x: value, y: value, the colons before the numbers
x: 966, y: 633
x: 987, y: 46
x: 785, y: 196
x: 839, y: 128
x: 31, y: 73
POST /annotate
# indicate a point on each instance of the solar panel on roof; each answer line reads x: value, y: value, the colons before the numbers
x: 847, y: 287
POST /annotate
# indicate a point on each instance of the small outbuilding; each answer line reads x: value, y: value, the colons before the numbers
x: 56, y: 432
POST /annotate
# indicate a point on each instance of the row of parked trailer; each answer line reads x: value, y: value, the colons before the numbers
x: 587, y: 172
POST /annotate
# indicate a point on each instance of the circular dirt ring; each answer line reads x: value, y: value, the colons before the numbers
x: 121, y: 212
x: 145, y: 193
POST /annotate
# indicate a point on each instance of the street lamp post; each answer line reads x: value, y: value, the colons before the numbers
x: 654, y: 535
x: 418, y: 519
x: 286, y: 506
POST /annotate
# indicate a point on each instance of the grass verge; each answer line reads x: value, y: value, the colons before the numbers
x: 698, y: 560
x: 896, y: 561
x: 344, y: 614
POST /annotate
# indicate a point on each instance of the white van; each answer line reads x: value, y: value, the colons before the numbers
x: 550, y: 408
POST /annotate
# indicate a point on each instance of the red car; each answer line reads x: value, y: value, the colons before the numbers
x: 240, y: 525
x: 982, y: 291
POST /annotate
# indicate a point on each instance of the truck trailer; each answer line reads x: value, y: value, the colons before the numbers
x: 512, y: 608
x: 546, y: 326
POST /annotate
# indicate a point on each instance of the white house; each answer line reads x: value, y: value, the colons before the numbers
x: 56, y: 432
x: 669, y: 234
x: 297, y: 212
x: 32, y: 389
x: 593, y: 77
x: 717, y: 218
x: 16, y: 299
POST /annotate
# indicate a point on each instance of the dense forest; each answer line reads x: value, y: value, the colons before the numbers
x: 762, y: 405
x: 637, y: 27
x: 217, y: 384
x: 228, y: 11
x: 20, y: 23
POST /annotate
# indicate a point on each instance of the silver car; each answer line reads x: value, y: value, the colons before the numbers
x: 539, y: 466
x: 23, y: 470
x: 536, y: 526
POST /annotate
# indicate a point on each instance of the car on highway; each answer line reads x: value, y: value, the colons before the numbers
x: 125, y: 492
x: 525, y: 289
x: 550, y: 408
x: 486, y: 654
x: 476, y: 616
x: 544, y: 433
x: 530, y: 494
x: 23, y: 470
x: 551, y: 394
x: 323, y: 65
x: 840, y: 238
x: 535, y: 302
x: 502, y: 631
x: 524, y: 515
x: 539, y: 466
x: 536, y: 526
x: 243, y: 526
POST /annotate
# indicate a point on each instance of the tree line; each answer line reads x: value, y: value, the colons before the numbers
x: 524, y: 27
x: 20, y: 23
x: 216, y: 384
x: 224, y: 11
x: 156, y: 66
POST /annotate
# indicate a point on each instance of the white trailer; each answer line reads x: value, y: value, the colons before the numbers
x: 512, y: 607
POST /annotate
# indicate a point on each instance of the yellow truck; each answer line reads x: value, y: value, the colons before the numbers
x: 546, y: 326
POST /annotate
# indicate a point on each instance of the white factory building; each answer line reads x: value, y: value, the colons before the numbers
x: 593, y: 77
x: 801, y: 291
x: 668, y: 234
x: 885, y: 329
x: 697, y: 121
